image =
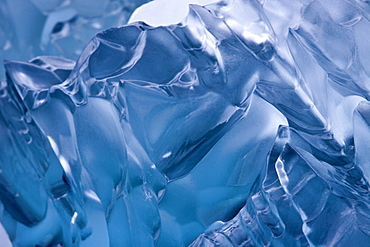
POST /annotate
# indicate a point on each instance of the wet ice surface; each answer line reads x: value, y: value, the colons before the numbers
x: 247, y: 124
x: 30, y: 28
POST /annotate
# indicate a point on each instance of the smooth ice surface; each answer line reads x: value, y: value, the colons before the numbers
x: 30, y: 28
x: 164, y: 12
x: 245, y: 124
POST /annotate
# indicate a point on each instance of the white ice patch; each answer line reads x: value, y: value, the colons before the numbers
x: 165, y: 12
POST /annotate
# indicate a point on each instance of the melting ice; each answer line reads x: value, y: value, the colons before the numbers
x: 246, y: 124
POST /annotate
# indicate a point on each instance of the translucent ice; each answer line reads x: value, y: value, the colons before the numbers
x: 246, y: 124
x: 31, y: 28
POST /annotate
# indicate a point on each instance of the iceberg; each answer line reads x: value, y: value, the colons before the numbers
x: 245, y: 124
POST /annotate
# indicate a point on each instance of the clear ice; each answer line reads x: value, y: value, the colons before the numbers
x: 30, y: 28
x: 246, y: 124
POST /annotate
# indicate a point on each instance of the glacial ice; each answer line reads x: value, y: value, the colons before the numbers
x: 246, y: 124
x: 30, y: 28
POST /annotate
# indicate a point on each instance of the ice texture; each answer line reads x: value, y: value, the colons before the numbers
x: 30, y: 28
x: 246, y: 124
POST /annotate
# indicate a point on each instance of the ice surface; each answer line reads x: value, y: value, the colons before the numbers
x: 246, y: 124
x: 30, y: 28
x: 165, y: 12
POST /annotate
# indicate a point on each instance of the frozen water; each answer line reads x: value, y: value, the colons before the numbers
x: 164, y: 12
x: 30, y: 28
x: 299, y: 201
x: 245, y: 124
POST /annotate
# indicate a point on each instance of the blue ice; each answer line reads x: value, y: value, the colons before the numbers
x: 30, y: 28
x: 246, y: 124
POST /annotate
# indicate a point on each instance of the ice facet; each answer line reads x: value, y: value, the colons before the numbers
x: 30, y: 28
x: 246, y: 123
x: 300, y: 201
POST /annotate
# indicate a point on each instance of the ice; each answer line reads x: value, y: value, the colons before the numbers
x: 361, y: 132
x: 164, y: 12
x: 236, y: 123
x: 299, y: 201
x: 30, y: 28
